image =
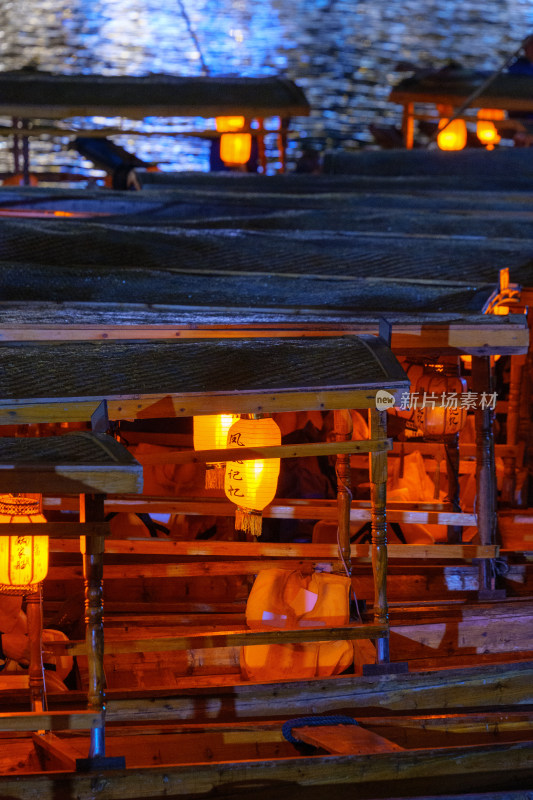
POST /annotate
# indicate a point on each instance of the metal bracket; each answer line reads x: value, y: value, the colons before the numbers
x: 100, y: 418
x: 100, y: 763
x: 396, y: 668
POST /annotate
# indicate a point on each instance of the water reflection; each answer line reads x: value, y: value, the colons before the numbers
x: 344, y: 54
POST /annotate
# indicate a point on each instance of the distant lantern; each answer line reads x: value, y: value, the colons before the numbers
x: 23, y: 559
x: 486, y: 130
x: 229, y: 124
x: 235, y: 148
x: 452, y: 134
x: 210, y: 432
x: 251, y: 485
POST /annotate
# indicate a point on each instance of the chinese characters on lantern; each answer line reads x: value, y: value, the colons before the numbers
x: 449, y: 400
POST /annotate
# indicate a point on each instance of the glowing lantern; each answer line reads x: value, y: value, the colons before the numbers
x: 23, y: 559
x: 229, y: 124
x: 437, y: 403
x: 485, y: 129
x: 210, y: 432
x: 251, y: 485
x: 235, y: 148
x: 453, y: 135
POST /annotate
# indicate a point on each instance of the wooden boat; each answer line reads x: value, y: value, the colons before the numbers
x: 177, y: 706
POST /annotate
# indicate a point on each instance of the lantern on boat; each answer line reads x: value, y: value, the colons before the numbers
x: 235, y: 148
x: 252, y: 484
x: 485, y: 129
x: 23, y: 559
x: 210, y: 432
x: 437, y: 408
x: 452, y: 135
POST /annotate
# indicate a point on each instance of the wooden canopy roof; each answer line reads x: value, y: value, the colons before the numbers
x: 73, y: 463
x: 453, y: 86
x: 34, y: 94
x: 67, y: 381
x: 432, y: 334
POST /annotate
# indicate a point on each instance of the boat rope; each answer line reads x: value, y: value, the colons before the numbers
x: 305, y: 722
x: 193, y: 36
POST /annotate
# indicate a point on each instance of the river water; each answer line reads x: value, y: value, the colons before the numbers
x: 345, y: 54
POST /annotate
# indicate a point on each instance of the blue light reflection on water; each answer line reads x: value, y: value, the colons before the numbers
x: 344, y: 54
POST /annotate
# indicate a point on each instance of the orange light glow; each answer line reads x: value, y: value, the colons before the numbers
x: 252, y: 484
x: 229, y: 124
x: 235, y: 148
x: 486, y: 130
x: 453, y: 136
x: 23, y: 559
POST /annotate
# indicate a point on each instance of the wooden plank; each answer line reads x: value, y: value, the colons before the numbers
x: 421, y: 513
x: 237, y: 638
x: 245, y: 567
x: 70, y: 480
x: 446, y: 337
x: 57, y: 752
x: 251, y: 453
x: 470, y: 767
x: 169, y: 405
x: 228, y: 698
x: 57, y: 530
x: 345, y: 739
x: 244, y: 550
x: 49, y: 720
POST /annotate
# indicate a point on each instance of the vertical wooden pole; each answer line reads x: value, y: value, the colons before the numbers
x: 25, y: 156
x: 454, y: 533
x: 485, y: 467
x: 34, y: 615
x: 343, y: 428
x: 16, y: 150
x: 378, y: 498
x: 92, y: 547
x: 261, y: 152
x: 513, y: 424
x: 282, y: 142
x: 408, y: 125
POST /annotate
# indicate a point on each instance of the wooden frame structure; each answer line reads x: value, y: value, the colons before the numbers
x: 452, y: 88
x: 89, y: 464
x: 29, y: 96
x: 318, y: 306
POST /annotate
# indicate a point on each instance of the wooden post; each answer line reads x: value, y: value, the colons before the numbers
x: 378, y: 498
x: 343, y: 429
x: 34, y: 614
x: 282, y: 142
x: 408, y: 125
x: 25, y: 155
x: 513, y: 423
x: 485, y: 469
x: 261, y: 152
x: 454, y: 533
x: 92, y: 547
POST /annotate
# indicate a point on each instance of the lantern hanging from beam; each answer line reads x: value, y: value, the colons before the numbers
x: 235, y: 148
x: 452, y: 134
x: 23, y: 559
x: 251, y: 485
x: 437, y: 409
x: 485, y: 129
x: 210, y: 432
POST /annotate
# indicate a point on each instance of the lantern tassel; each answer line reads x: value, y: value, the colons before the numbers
x: 214, y: 476
x: 248, y: 520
